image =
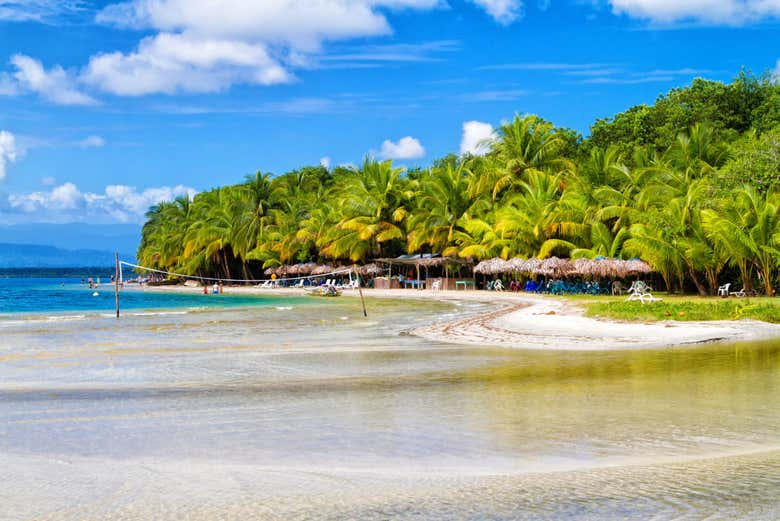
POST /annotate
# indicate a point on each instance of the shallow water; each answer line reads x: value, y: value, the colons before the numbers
x: 308, y: 410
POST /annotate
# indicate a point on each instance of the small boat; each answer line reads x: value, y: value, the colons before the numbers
x: 324, y: 291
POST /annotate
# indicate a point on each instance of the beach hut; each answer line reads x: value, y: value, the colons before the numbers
x: 554, y: 267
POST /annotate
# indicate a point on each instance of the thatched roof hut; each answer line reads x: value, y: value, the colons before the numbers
x: 554, y: 267
x: 322, y: 269
x: 611, y: 268
x: 493, y: 267
x: 637, y: 267
x: 371, y: 270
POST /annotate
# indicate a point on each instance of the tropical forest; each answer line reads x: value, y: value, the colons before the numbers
x: 690, y: 184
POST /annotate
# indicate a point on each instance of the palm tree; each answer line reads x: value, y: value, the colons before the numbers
x: 442, y: 201
x: 524, y: 145
x: 748, y: 233
x: 371, y: 201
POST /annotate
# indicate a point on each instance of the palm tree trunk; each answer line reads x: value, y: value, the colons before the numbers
x: 699, y: 286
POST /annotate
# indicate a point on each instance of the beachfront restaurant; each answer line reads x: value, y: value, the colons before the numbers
x: 426, y: 270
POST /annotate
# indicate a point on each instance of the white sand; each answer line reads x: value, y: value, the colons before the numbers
x: 537, y: 322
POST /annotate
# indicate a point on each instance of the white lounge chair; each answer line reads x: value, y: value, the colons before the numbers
x: 498, y: 285
x: 298, y: 284
x: 723, y: 291
x: 740, y: 293
x: 436, y: 286
x: 641, y: 292
x: 267, y: 284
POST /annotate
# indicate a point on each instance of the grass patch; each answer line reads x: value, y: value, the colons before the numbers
x: 684, y: 308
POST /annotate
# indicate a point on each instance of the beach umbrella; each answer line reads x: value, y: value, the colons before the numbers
x: 482, y: 267
x: 637, y: 267
x: 322, y: 269
x: 305, y: 269
x: 372, y: 269
x: 517, y: 265
x: 554, y: 266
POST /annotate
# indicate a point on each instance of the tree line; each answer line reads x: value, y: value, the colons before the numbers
x: 691, y: 184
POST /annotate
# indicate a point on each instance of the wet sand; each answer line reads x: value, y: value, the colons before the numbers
x: 526, y: 321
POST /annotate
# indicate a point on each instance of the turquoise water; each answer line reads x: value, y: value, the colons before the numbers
x: 50, y: 295
x: 301, y: 408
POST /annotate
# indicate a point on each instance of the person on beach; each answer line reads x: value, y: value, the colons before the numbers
x: 221, y: 288
x: 205, y: 290
x: 215, y: 289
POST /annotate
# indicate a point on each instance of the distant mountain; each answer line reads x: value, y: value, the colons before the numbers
x: 74, y: 236
x: 37, y: 256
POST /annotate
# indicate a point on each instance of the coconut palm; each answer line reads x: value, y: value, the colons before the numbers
x: 441, y: 202
x: 371, y: 201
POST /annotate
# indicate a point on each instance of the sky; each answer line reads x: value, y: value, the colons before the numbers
x: 109, y: 107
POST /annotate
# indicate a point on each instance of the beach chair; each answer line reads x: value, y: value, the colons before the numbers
x: 618, y: 288
x: 642, y: 294
x: 498, y: 285
x: 298, y: 284
x: 741, y: 293
x: 267, y: 284
x: 723, y: 291
x: 436, y: 286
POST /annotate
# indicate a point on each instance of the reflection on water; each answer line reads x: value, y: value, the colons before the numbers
x: 317, y: 412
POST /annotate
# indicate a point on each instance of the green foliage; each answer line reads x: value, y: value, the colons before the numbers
x: 687, y: 309
x: 690, y: 184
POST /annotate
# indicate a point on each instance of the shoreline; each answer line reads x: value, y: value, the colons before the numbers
x: 522, y: 321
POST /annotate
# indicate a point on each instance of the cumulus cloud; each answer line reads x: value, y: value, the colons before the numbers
x: 299, y: 24
x: 117, y: 203
x: 92, y: 142
x: 503, y: 11
x: 405, y: 148
x: 55, y: 85
x: 725, y: 12
x: 476, y: 137
x: 326, y: 162
x: 169, y: 63
x: 210, y: 46
x: 8, y: 151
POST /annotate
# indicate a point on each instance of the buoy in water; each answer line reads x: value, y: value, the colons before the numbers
x: 95, y: 294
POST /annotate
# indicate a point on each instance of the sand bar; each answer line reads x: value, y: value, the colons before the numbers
x: 525, y: 321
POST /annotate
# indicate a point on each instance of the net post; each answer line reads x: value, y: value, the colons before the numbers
x: 360, y: 291
x: 116, y: 282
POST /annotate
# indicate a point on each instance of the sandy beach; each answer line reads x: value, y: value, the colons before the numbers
x: 526, y: 321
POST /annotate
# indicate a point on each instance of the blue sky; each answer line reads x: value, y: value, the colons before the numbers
x: 108, y: 107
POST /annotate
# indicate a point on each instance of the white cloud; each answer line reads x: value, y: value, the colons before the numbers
x: 92, y: 142
x: 8, y: 151
x: 725, y: 12
x: 503, y: 11
x: 326, y: 162
x: 208, y: 46
x: 55, y: 85
x: 117, y: 203
x: 49, y: 181
x: 300, y: 24
x: 406, y: 148
x: 38, y: 10
x: 169, y: 63
x: 476, y: 136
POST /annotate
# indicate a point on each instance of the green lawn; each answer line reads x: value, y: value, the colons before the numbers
x: 675, y: 307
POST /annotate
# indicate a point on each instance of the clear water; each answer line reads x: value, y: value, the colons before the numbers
x: 55, y: 295
x: 309, y: 411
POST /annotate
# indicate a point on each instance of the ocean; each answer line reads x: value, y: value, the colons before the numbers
x: 282, y: 407
x: 57, y: 295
